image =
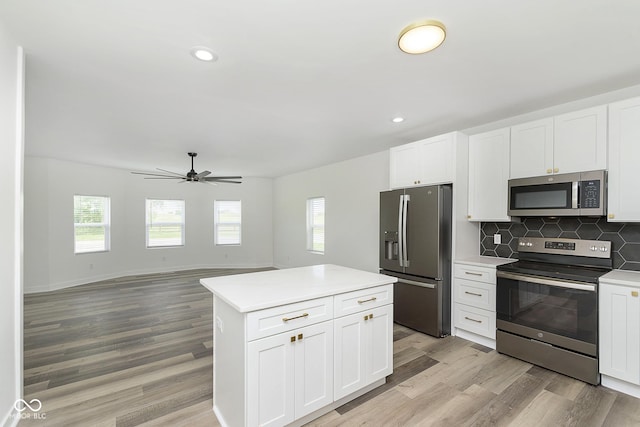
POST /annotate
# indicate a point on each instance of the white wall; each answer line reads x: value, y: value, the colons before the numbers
x: 351, y: 190
x: 11, y: 143
x: 50, y: 262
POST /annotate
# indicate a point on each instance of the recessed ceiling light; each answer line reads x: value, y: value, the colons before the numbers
x: 421, y: 37
x: 203, y: 54
x: 397, y: 120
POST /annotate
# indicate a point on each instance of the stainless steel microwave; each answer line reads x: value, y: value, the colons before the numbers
x: 570, y: 194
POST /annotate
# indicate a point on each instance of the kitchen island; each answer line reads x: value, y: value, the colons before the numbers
x: 293, y: 344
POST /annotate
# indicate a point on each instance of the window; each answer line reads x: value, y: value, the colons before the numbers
x: 165, y: 223
x: 91, y: 218
x: 315, y: 224
x: 227, y: 219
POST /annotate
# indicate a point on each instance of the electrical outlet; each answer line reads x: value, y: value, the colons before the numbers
x: 497, y: 239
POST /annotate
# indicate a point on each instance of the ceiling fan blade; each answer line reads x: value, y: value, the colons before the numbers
x: 163, y: 177
x: 203, y: 174
x: 156, y: 174
x: 223, y: 181
x: 173, y: 173
x: 212, y: 178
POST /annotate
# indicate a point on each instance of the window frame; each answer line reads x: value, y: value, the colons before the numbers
x: 217, y: 223
x: 106, y: 214
x: 148, y: 224
x: 312, y: 226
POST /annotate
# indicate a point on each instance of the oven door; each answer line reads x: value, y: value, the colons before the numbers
x: 553, y: 311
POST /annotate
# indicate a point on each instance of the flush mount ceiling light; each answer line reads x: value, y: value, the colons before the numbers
x: 421, y: 37
x: 397, y: 119
x: 203, y: 54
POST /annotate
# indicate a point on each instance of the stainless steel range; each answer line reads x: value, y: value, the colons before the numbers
x: 547, y: 304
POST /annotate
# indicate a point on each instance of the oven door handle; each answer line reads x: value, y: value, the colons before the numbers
x: 549, y: 282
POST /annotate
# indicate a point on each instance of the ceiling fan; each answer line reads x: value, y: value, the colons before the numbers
x: 192, y: 176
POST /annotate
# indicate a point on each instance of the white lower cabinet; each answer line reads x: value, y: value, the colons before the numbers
x: 290, y: 374
x: 619, y: 311
x: 474, y: 299
x: 363, y: 349
x: 291, y: 363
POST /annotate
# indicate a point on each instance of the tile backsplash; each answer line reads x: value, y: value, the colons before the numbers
x: 624, y: 237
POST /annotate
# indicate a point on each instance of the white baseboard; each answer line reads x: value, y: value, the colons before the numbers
x: 478, y: 339
x: 620, y: 385
x: 32, y: 289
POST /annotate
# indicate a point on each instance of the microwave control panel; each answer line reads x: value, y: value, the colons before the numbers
x: 590, y: 194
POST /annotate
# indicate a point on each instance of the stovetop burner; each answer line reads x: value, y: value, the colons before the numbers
x: 566, y: 259
x: 565, y: 272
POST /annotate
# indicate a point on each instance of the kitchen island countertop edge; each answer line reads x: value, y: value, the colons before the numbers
x: 265, y: 289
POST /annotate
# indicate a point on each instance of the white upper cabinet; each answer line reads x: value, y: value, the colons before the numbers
x: 624, y: 160
x: 532, y: 148
x: 488, y: 176
x: 580, y: 140
x: 426, y: 162
x: 572, y: 142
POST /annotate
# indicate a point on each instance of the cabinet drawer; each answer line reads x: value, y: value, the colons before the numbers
x: 353, y: 302
x: 472, y: 272
x: 270, y: 321
x: 477, y: 294
x: 476, y: 320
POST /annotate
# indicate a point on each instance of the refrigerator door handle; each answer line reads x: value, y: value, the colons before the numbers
x: 414, y: 283
x: 400, y: 224
x: 405, y: 208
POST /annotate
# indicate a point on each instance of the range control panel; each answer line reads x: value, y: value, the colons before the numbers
x: 560, y: 245
x: 545, y: 245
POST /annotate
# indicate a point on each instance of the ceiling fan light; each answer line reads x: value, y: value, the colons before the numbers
x: 421, y: 37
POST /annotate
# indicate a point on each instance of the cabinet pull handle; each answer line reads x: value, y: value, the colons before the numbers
x: 300, y: 336
x: 473, y: 320
x: 556, y: 170
x: 293, y: 338
x: 362, y: 301
x: 286, y: 319
x: 473, y: 293
x: 611, y: 216
x: 471, y: 273
x: 634, y: 293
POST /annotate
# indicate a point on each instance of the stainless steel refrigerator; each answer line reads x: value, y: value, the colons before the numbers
x: 415, y: 247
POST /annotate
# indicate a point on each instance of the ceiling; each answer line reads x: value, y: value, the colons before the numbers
x: 298, y: 83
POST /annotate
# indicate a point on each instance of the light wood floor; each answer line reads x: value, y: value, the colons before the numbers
x: 137, y: 351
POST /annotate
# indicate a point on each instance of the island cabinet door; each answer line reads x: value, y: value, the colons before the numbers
x: 364, y: 349
x: 313, y: 368
x: 349, y: 362
x: 290, y: 375
x: 380, y: 323
x: 270, y: 376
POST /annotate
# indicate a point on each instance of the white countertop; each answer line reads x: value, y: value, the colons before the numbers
x: 622, y: 277
x: 485, y: 261
x: 265, y: 289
